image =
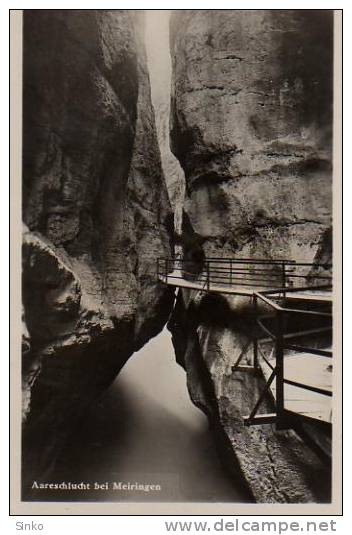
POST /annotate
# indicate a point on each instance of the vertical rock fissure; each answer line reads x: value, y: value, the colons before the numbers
x: 160, y: 74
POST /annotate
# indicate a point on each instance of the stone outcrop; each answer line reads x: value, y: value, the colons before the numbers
x: 97, y: 216
x: 251, y: 122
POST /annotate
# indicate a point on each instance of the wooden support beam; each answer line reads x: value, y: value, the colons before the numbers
x: 260, y: 419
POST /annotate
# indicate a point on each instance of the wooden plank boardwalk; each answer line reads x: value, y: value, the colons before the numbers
x: 311, y: 370
x: 175, y: 278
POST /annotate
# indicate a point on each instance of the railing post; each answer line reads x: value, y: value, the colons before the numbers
x: 279, y: 356
x: 208, y: 275
x: 255, y: 339
x: 283, y: 282
x: 166, y: 269
x: 230, y: 272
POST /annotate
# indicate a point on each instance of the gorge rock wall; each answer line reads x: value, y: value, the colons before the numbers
x: 251, y: 124
x: 96, y: 213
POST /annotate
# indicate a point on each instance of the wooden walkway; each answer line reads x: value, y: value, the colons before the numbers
x: 309, y: 367
x: 311, y: 370
x: 176, y: 279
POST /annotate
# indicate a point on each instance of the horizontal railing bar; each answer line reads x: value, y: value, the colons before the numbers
x: 270, y: 340
x: 329, y: 277
x: 264, y: 283
x: 251, y: 260
x: 262, y: 295
x: 298, y: 289
x: 289, y: 336
x: 308, y: 387
x: 299, y: 334
x: 224, y: 277
x: 248, y: 283
x: 273, y: 274
x: 234, y: 261
x: 310, y: 350
x: 249, y: 271
x: 307, y: 312
x: 171, y: 276
x: 203, y: 278
x: 243, y: 269
x: 243, y: 274
x: 313, y: 264
x: 269, y: 282
x: 226, y: 274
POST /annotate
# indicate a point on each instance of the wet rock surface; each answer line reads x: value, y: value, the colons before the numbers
x: 97, y: 216
x: 251, y: 126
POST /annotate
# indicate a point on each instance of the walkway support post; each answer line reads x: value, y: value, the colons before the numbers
x: 279, y: 356
x: 283, y: 278
x: 255, y: 339
x: 166, y: 268
x: 208, y: 275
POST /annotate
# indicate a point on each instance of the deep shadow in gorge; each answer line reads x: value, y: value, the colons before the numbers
x: 145, y: 429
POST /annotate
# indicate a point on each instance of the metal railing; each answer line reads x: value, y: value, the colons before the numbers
x: 270, y: 283
x: 282, y: 340
x: 212, y: 273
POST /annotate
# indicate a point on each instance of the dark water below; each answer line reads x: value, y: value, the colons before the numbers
x: 145, y: 430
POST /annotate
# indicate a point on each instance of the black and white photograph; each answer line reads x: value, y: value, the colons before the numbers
x: 178, y: 267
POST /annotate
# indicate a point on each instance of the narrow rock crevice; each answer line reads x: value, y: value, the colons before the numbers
x: 160, y: 74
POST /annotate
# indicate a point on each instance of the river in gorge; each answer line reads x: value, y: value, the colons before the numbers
x: 145, y: 430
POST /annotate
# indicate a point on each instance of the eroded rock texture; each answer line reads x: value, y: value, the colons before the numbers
x: 251, y: 126
x: 97, y: 216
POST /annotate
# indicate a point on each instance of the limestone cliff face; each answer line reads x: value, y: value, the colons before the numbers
x: 251, y: 125
x: 173, y: 172
x: 96, y: 211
